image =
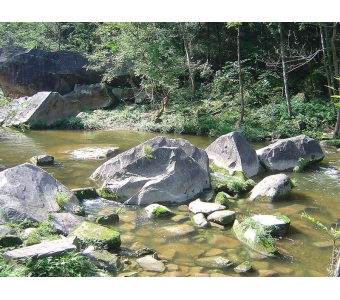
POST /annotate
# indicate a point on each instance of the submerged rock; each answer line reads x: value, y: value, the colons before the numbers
x: 233, y: 152
x: 179, y: 230
x: 94, y: 153
x: 272, y: 188
x: 148, y: 263
x: 285, y: 154
x: 217, y: 262
x: 159, y: 170
x: 244, y: 267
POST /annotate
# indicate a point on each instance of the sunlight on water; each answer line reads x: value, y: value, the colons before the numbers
x: 317, y: 193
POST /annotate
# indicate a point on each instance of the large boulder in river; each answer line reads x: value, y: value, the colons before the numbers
x: 285, y: 154
x: 271, y: 189
x: 233, y: 153
x: 159, y: 170
x: 28, y: 192
x: 24, y: 72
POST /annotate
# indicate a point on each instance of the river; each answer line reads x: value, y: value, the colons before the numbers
x: 306, y: 249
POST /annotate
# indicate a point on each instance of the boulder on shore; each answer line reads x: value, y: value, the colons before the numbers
x: 28, y: 192
x: 24, y: 72
x: 285, y: 154
x: 233, y: 152
x: 159, y: 170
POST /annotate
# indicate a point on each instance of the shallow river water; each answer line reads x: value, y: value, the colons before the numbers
x: 306, y: 250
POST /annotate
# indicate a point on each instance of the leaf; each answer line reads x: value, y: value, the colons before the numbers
x: 337, y: 104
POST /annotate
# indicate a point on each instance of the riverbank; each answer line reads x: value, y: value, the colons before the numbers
x: 211, y: 118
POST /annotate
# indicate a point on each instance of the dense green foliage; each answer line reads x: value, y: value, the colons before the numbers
x: 197, y: 65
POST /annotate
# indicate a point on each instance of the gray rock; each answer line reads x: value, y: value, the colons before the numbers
x: 46, y: 248
x: 201, y: 220
x: 148, y: 263
x: 217, y: 262
x: 28, y: 192
x: 233, y: 153
x: 94, y: 153
x: 222, y: 217
x: 285, y: 153
x: 42, y: 160
x: 158, y: 211
x: 158, y: 170
x: 64, y: 223
x: 27, y: 71
x: 108, y: 219
x: 5, y: 230
x: 206, y: 208
x: 104, y: 260
x: 272, y: 188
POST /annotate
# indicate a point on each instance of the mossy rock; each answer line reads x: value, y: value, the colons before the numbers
x: 158, y: 211
x: 108, y: 219
x: 242, y: 233
x: 96, y: 235
x: 85, y: 193
x: 222, y: 198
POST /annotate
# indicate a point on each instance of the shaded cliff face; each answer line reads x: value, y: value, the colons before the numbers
x: 25, y: 72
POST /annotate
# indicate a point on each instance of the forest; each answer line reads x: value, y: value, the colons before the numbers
x: 271, y: 80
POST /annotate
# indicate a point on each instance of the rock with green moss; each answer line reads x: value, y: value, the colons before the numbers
x: 223, y: 199
x: 216, y: 262
x: 233, y: 185
x: 85, y: 193
x: 93, y: 234
x: 104, y: 260
x: 278, y: 225
x: 158, y: 211
x: 108, y: 219
x: 42, y: 160
x: 272, y: 188
x: 256, y: 236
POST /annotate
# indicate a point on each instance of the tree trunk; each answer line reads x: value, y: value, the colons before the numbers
x: 336, y: 73
x: 284, y: 71
x: 187, y: 55
x: 240, y: 74
x: 325, y: 60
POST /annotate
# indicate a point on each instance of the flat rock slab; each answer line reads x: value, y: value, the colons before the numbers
x: 148, y: 263
x: 222, y: 217
x: 205, y: 208
x: 48, y: 248
x: 64, y: 223
x: 218, y: 262
x: 94, y: 153
x: 179, y: 230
